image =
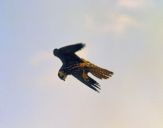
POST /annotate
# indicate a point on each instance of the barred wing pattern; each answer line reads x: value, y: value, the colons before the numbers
x: 97, y: 71
x: 78, y: 67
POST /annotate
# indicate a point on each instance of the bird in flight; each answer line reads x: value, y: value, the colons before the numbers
x: 79, y: 67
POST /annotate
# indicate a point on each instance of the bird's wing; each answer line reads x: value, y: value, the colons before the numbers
x: 89, y: 81
x: 99, y: 72
x: 72, y: 48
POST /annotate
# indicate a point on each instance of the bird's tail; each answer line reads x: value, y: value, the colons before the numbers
x: 100, y: 72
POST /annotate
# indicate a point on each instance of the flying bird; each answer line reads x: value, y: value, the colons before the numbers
x: 79, y: 67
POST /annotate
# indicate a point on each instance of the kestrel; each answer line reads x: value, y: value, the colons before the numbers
x: 79, y: 67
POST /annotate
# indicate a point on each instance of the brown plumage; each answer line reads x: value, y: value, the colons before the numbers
x: 97, y: 71
x: 78, y: 67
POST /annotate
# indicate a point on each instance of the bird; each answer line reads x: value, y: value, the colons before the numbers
x: 78, y: 67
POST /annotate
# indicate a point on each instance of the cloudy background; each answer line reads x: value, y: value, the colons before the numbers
x: 124, y: 36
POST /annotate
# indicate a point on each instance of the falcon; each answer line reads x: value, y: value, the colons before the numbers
x: 79, y: 67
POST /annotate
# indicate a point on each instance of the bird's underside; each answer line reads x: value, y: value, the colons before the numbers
x: 81, y: 70
x: 78, y: 67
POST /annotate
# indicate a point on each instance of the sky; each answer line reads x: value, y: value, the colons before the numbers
x: 124, y: 36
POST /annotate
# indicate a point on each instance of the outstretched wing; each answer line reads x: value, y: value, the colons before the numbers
x: 89, y: 81
x: 99, y: 72
x: 72, y: 48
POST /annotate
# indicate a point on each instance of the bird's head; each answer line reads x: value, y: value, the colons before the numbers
x: 56, y: 52
x: 62, y: 75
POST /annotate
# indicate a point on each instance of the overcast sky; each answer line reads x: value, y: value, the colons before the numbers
x: 124, y: 36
